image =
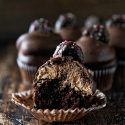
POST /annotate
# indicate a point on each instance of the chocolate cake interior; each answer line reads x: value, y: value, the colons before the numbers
x: 52, y: 96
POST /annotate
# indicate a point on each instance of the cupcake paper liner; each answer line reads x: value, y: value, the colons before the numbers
x: 27, y: 72
x: 25, y: 100
x: 104, y: 78
x: 119, y: 79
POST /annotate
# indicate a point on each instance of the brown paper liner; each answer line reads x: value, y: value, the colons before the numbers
x: 104, y: 78
x: 27, y: 72
x: 25, y: 100
x: 119, y: 79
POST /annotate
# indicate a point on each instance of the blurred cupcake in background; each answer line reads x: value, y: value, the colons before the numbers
x: 67, y: 26
x: 98, y: 56
x: 35, y: 47
x: 92, y: 20
x: 116, y: 29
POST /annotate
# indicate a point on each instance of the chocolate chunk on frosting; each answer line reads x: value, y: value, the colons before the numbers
x: 68, y: 48
x: 96, y: 32
x: 40, y: 25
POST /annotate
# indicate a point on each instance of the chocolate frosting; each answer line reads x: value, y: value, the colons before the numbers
x: 38, y: 44
x: 68, y: 48
x: 32, y: 46
x: 95, y: 51
x: 96, y: 32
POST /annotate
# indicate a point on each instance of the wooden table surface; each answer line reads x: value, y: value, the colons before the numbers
x: 11, y: 114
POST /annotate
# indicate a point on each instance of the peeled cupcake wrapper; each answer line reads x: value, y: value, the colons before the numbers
x: 25, y: 100
x: 104, y: 77
x: 29, y: 71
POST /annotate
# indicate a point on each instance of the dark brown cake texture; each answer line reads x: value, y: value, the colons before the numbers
x: 99, y: 57
x: 63, y: 83
x: 68, y: 27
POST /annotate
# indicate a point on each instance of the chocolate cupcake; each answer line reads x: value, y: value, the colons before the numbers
x: 35, y: 47
x: 98, y: 56
x: 60, y: 84
x: 63, y: 83
x: 67, y: 26
x: 66, y: 77
x: 63, y: 89
x: 116, y: 29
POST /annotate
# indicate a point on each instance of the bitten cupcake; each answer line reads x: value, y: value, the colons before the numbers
x: 67, y: 26
x: 35, y: 47
x: 60, y: 82
x: 98, y: 56
x: 116, y: 29
x: 63, y: 89
x: 64, y: 86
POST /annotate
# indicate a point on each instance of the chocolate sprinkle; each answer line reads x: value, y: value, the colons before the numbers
x: 97, y: 32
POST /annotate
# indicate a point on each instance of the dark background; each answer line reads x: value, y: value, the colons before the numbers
x: 16, y: 15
